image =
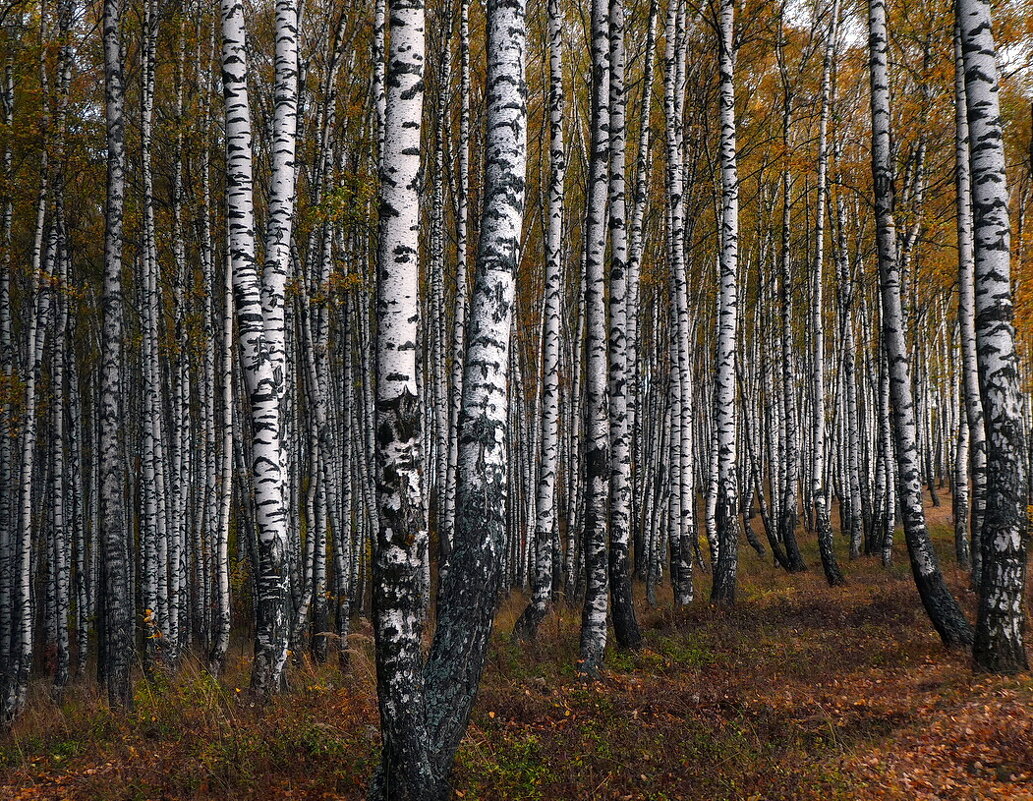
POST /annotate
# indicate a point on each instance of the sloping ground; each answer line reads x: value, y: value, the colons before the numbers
x: 801, y: 692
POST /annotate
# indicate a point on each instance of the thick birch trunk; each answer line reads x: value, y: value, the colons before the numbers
x: 999, y: 646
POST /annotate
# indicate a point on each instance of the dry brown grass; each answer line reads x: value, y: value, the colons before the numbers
x: 801, y: 692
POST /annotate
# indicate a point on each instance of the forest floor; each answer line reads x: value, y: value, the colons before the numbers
x: 800, y: 692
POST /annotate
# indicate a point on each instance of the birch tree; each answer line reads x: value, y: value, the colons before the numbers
x: 998, y: 646
x: 597, y: 458
x: 424, y: 708
x: 471, y: 585
x: 723, y: 589
x: 117, y: 646
x: 545, y: 499
x: 261, y: 344
x: 819, y: 497
x: 405, y: 768
x: 681, y: 495
x: 943, y: 610
x: 620, y: 520
x: 971, y: 457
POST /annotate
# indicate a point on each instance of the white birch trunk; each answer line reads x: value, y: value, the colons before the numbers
x: 943, y: 610
x: 117, y: 646
x: 726, y: 568
x: 625, y: 625
x: 545, y: 504
x: 263, y: 372
x: 819, y: 494
x: 999, y: 646
x: 593, y: 620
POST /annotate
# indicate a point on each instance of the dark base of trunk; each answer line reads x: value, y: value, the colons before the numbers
x: 120, y: 691
x: 873, y: 535
x: 319, y: 645
x: 751, y: 537
x: 833, y: 574
x: 726, y: 568
x: 588, y: 667
x: 622, y: 605
x: 794, y: 559
x: 625, y: 624
x: 265, y: 681
x: 216, y: 664
x: 526, y: 628
x: 1002, y: 657
x: 776, y: 547
x: 681, y: 569
x: 946, y: 616
x: 386, y: 786
x: 723, y: 590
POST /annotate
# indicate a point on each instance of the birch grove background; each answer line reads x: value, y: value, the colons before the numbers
x: 339, y: 337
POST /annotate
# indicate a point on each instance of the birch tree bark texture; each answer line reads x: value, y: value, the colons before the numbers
x: 940, y: 605
x: 425, y: 708
x: 593, y: 619
x: 545, y: 502
x: 681, y: 497
x: 969, y: 502
x: 401, y: 536
x: 819, y: 494
x: 117, y: 650
x: 471, y: 585
x: 998, y: 646
x: 726, y: 568
x: 261, y: 352
x: 625, y: 624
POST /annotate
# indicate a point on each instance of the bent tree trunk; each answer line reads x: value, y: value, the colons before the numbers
x: 943, y: 610
x: 470, y: 588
